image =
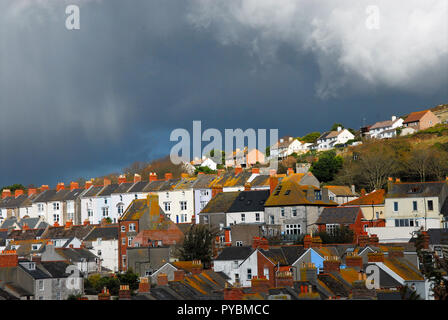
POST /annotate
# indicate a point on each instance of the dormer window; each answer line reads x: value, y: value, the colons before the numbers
x: 318, y: 195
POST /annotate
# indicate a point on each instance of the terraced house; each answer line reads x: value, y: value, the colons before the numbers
x: 295, y: 207
x: 145, y: 216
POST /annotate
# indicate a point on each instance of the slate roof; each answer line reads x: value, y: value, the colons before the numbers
x: 123, y: 187
x: 275, y: 255
x: 261, y: 180
x: 13, y: 202
x: 38, y: 273
x: 221, y: 202
x: 75, y: 255
x: 335, y: 285
x: 184, y: 183
x: 384, y: 124
x: 108, y: 190
x: 57, y: 269
x: 229, y: 179
x: 403, y: 268
x: 249, y: 201
x: 74, y: 194
x: 28, y: 234
x: 339, y: 215
x: 329, y: 134
x: 235, y: 253
x: 204, y: 181
x: 375, y: 197
x: 78, y: 231
x: 92, y: 191
x: 9, y: 223
x: 138, y: 186
x: 109, y: 232
x: 45, y: 196
x: 438, y: 236
x: 416, y: 189
x: 60, y: 195
x: 444, y: 209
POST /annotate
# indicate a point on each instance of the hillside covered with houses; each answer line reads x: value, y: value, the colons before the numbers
x: 341, y: 203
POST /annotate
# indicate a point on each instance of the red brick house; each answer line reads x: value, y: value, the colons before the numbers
x: 349, y: 216
x: 145, y: 221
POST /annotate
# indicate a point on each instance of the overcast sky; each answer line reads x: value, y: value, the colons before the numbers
x: 91, y: 101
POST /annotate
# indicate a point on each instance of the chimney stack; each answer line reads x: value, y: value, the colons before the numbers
x: 162, y: 279
x: 353, y: 261
x: 260, y: 284
x: 137, y: 178
x: 104, y: 294
x: 152, y: 176
x: 68, y: 224
x: 375, y: 257
x: 88, y: 184
x: 44, y: 187
x: 272, y: 172
x: 217, y: 188
x: 74, y: 185
x: 247, y: 186
x: 60, y: 186
x: 390, y: 182
x: 121, y: 179
x: 260, y: 243
x: 31, y: 191
x: 238, y: 170
x: 144, y: 285
x: 184, y: 175
x: 168, y: 176
x: 307, y: 241
x: 18, y: 192
x: 86, y: 222
x: 6, y: 193
x: 9, y: 258
x: 124, y: 293
x: 290, y: 171
x: 179, y: 275
x: 106, y: 182
x: 373, y: 240
x: 273, y: 182
x: 255, y: 170
x: 363, y: 240
x: 332, y: 264
x: 221, y: 172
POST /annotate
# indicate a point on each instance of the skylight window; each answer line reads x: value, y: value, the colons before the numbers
x: 287, y: 192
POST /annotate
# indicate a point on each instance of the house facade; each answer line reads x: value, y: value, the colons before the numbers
x: 328, y: 140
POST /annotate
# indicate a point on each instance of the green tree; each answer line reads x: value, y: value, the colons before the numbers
x: 335, y: 126
x: 268, y: 151
x: 327, y: 166
x: 342, y: 234
x: 197, y: 244
x: 14, y: 187
x: 310, y: 137
x: 205, y: 170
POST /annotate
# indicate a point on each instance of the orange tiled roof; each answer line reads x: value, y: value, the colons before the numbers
x: 415, y: 116
x: 375, y: 197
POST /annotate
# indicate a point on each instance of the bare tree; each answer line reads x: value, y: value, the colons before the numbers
x: 418, y: 161
x: 376, y: 164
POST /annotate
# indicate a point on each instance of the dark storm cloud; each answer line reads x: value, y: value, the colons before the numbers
x: 91, y: 101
